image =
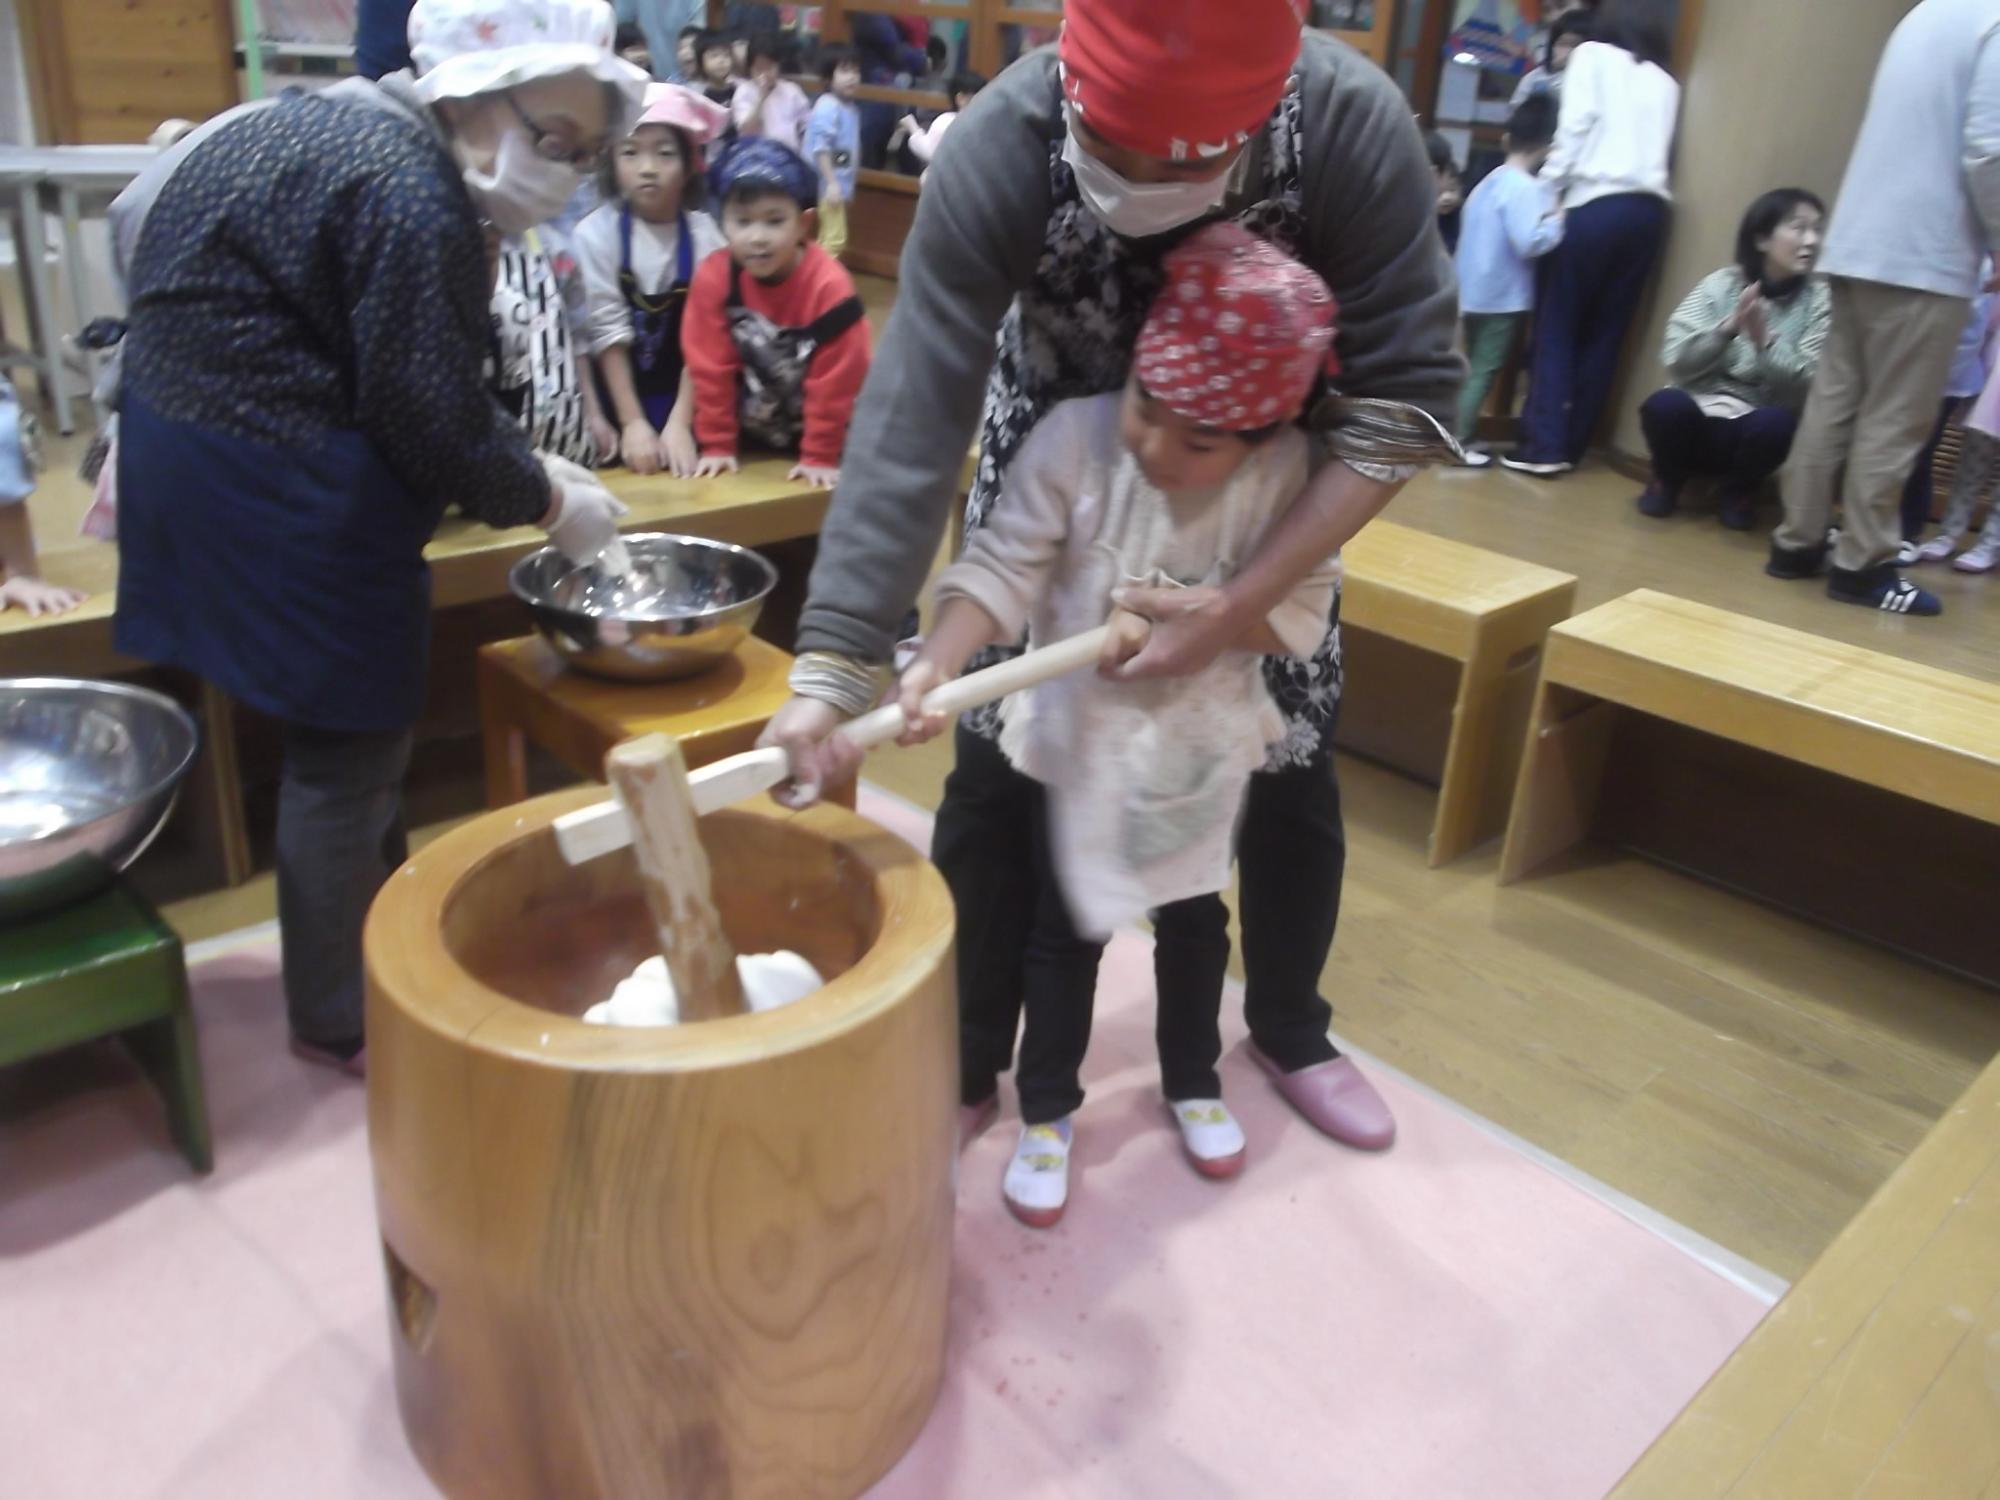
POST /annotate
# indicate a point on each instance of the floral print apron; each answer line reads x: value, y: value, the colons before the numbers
x: 536, y: 377
x: 1072, y: 334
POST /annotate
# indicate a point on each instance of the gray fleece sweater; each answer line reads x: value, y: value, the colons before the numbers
x: 976, y: 242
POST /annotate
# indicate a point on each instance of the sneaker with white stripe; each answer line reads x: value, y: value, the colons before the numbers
x: 1881, y: 587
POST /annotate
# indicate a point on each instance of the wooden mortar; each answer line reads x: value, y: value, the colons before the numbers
x: 705, y: 1259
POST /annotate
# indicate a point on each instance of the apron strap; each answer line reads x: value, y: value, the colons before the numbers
x: 835, y: 321
x: 637, y: 296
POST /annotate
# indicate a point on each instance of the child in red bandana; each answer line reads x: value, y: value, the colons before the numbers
x: 1172, y: 481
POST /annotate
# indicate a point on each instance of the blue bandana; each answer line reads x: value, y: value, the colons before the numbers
x: 754, y: 158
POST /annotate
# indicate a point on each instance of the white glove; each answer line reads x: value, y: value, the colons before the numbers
x: 586, y: 521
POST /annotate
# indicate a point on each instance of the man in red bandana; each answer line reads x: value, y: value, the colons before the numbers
x: 1036, y: 252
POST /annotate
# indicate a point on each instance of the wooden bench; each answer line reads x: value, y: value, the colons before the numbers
x: 528, y: 697
x: 1441, y: 643
x: 1876, y: 1374
x: 469, y: 561
x: 1875, y: 756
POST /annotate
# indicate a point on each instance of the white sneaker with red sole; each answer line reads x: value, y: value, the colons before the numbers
x: 1036, y: 1186
x: 1210, y: 1136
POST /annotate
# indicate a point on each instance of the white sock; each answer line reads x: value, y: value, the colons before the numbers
x: 1038, y: 1175
x: 1208, y: 1129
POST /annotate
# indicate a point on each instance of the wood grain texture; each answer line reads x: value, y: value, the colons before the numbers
x: 1900, y: 725
x: 109, y: 71
x: 1896, y: 725
x: 708, y: 1259
x: 468, y: 559
x: 650, y: 779
x: 1879, y: 1373
x: 528, y: 697
x: 1483, y: 611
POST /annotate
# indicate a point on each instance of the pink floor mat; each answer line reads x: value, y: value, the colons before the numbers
x: 1446, y: 1319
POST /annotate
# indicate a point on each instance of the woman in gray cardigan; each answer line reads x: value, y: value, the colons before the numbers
x: 1741, y: 351
x: 1034, y: 255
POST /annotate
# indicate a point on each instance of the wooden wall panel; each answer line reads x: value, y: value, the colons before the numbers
x: 108, y: 71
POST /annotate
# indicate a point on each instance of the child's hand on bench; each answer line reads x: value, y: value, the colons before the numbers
x: 715, y: 465
x: 639, y: 446
x: 812, y: 474
x: 39, y: 597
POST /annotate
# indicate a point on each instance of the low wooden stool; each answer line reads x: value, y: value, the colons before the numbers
x: 108, y: 966
x: 527, y: 696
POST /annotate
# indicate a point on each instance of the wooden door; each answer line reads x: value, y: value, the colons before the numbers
x: 109, y: 71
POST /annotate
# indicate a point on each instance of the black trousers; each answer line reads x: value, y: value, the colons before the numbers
x: 1018, y: 951
x: 1587, y: 291
x: 340, y: 838
x: 1686, y: 442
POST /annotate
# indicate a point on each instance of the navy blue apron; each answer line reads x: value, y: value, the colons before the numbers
x: 292, y: 578
x: 656, y: 321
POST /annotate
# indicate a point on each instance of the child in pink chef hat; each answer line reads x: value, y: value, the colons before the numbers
x: 639, y: 253
x: 1171, y: 481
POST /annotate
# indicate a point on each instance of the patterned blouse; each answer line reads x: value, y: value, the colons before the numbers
x: 316, y: 266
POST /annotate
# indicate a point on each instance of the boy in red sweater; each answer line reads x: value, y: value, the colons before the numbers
x: 774, y: 337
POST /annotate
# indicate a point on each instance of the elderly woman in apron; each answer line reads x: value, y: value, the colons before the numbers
x: 1035, y: 253
x: 305, y: 391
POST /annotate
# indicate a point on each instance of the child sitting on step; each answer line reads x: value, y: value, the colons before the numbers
x: 1171, y: 481
x: 775, y: 338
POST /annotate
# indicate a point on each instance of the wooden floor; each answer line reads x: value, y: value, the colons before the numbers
x: 1746, y: 1074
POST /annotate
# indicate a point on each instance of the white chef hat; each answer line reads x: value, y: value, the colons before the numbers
x: 463, y: 48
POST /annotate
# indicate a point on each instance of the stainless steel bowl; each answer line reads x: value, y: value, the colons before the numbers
x: 88, y: 773
x: 688, y: 603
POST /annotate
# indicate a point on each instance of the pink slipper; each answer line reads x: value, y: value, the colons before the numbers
x: 355, y: 1066
x: 1336, y: 1099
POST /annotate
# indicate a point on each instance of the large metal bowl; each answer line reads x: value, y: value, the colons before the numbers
x: 688, y: 603
x: 88, y: 773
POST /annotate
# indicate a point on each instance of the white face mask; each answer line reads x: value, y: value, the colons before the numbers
x: 523, y: 189
x: 1137, y: 210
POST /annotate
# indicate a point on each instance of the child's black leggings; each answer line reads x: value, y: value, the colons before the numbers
x: 1021, y: 959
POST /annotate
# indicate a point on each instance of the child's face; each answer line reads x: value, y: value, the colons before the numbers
x: 652, y: 172
x: 1175, y: 453
x: 846, y: 79
x: 766, y: 234
x: 764, y: 72
x: 684, y: 57
x: 638, y: 55
x: 1559, y: 53
x: 717, y: 63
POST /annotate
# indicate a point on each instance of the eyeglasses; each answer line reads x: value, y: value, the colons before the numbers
x: 552, y: 147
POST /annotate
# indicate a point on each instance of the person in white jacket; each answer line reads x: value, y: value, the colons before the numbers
x: 1919, y: 207
x: 1614, y: 139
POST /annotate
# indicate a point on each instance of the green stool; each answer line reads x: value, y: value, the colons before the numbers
x: 102, y: 967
